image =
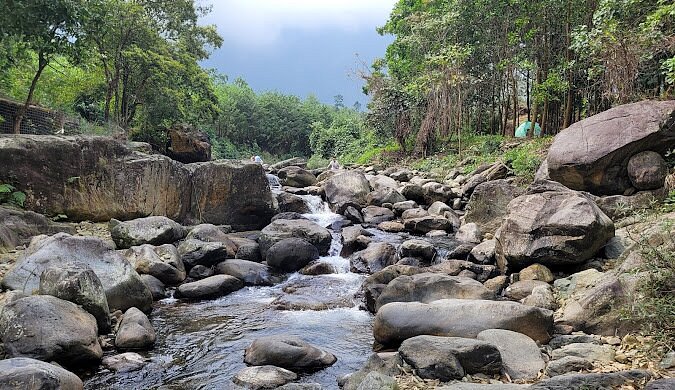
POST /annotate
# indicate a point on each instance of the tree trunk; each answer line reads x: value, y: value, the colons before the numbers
x: 568, y: 56
x: 21, y: 112
x: 535, y: 106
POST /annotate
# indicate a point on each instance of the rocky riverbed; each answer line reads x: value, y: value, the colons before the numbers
x: 365, y: 278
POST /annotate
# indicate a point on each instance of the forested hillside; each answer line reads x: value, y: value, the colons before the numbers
x: 477, y: 65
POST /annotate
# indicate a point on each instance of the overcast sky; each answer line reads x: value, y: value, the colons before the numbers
x: 299, y: 47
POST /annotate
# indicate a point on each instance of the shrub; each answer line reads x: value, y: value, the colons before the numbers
x: 10, y: 195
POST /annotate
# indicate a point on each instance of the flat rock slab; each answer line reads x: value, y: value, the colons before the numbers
x: 593, y: 381
x: 399, y: 321
x: 521, y: 357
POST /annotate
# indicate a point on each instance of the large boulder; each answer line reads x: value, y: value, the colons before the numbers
x: 17, y: 227
x: 520, y: 354
x: 593, y: 154
x: 122, y: 284
x: 484, y: 174
x: 288, y: 352
x: 93, y: 178
x: 291, y: 254
x: 48, y: 328
x: 163, y: 262
x: 150, y: 230
x: 289, y: 203
x: 399, y: 321
x: 195, y: 252
x: 553, y: 226
x: 188, y: 145
x: 374, y: 258
x: 348, y: 188
x: 446, y: 358
x: 299, y: 228
x: 427, y: 224
x: 428, y: 287
x: 135, y: 331
x: 229, y: 193
x: 294, y: 176
x: 99, y: 178
x: 210, y: 287
x: 374, y: 284
x: 488, y: 204
x: 27, y: 373
x: 81, y: 286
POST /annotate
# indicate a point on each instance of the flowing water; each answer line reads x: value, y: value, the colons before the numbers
x: 200, y: 345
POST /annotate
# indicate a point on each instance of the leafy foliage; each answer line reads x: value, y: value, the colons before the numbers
x: 10, y: 195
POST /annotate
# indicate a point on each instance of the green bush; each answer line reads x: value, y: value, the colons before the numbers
x: 316, y: 161
x: 10, y: 195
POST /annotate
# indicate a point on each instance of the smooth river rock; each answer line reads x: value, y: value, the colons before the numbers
x: 48, y: 328
x: 155, y: 230
x: 211, y: 287
x: 27, y: 373
x: 398, y: 321
x: 122, y: 284
x: 288, y: 352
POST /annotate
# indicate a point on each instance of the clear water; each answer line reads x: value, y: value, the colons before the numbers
x: 200, y: 345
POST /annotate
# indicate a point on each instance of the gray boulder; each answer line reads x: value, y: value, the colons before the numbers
x: 469, y: 232
x: 482, y: 174
x: 124, y: 362
x: 383, y: 195
x: 249, y: 272
x: 375, y: 214
x: 522, y: 288
x: 67, y: 333
x: 288, y: 352
x: 27, y: 373
x: 592, y: 155
x: 200, y: 272
x: 149, y: 230
x: 447, y: 358
x: 429, y: 287
x: 263, y: 377
x: 488, y: 204
x: 399, y: 321
x: 156, y: 287
x: 291, y: 254
x: 17, y: 227
x: 81, y: 286
x: 520, y: 354
x: 551, y: 225
x: 647, y: 170
x: 294, y: 176
x: 281, y: 229
x: 483, y: 253
x: 211, y: 287
x: 289, y: 203
x: 375, y: 257
x: 163, y: 262
x: 122, y: 284
x: 347, y: 188
x: 135, y: 331
x: 427, y: 224
x: 195, y: 252
x: 568, y: 364
x: 417, y: 248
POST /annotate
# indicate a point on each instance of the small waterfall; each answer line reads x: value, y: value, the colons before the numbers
x: 319, y: 211
x: 275, y: 184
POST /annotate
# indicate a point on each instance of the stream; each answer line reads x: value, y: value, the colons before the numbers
x: 200, y: 345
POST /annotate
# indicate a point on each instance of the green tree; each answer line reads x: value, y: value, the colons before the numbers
x: 47, y: 27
